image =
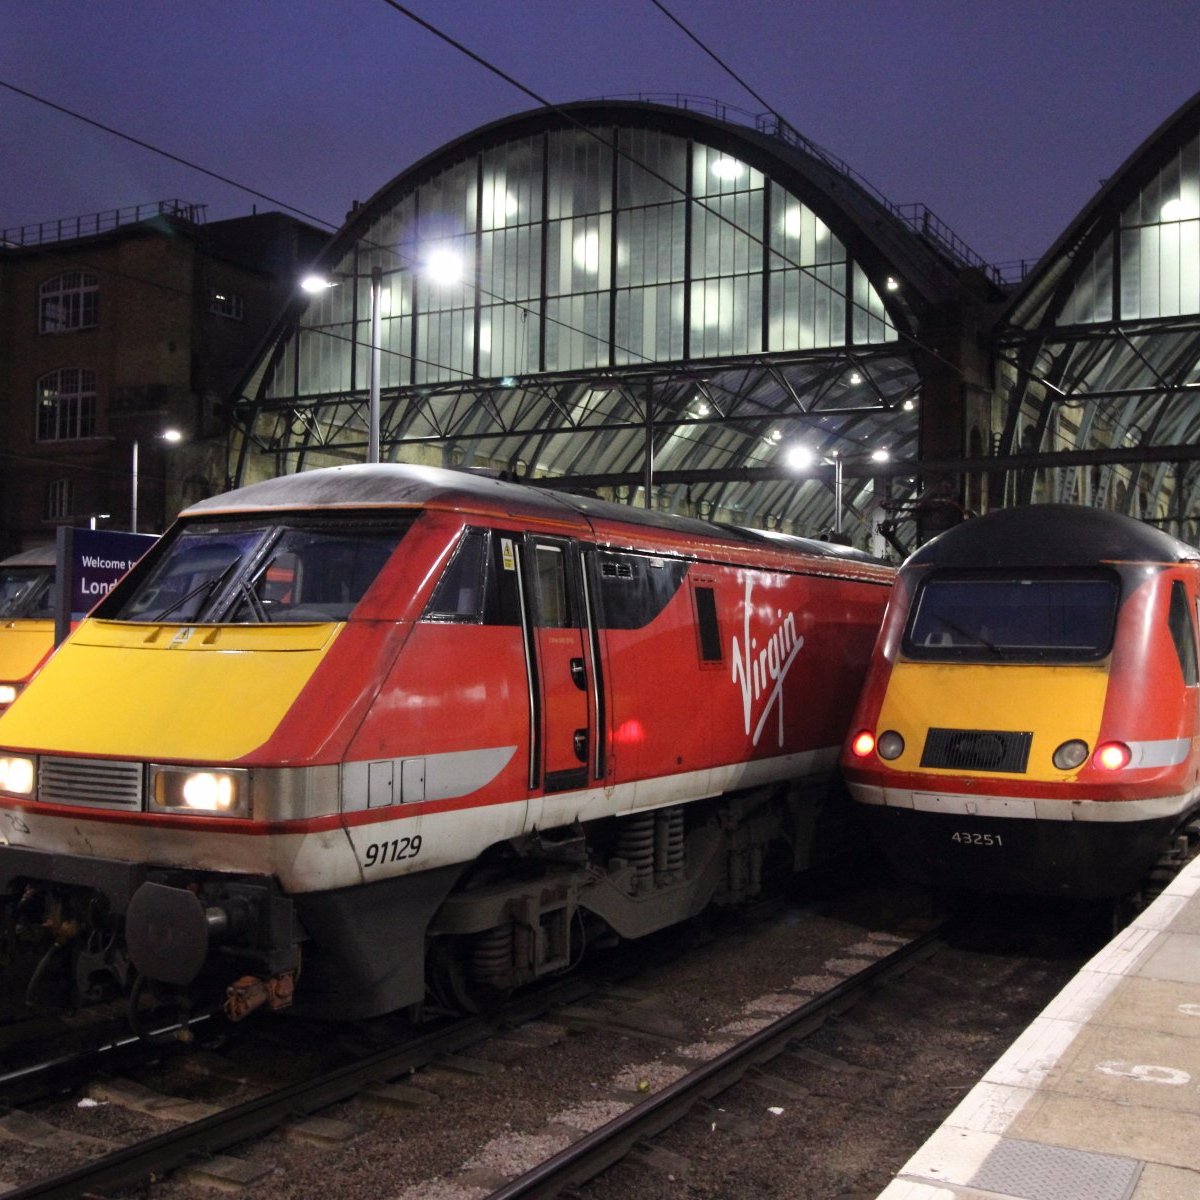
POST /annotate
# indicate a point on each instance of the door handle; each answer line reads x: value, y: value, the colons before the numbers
x: 578, y: 674
x: 581, y: 745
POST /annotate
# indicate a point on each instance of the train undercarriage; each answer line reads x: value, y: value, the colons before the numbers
x: 80, y: 932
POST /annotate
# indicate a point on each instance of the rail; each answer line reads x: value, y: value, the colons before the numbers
x: 64, y: 229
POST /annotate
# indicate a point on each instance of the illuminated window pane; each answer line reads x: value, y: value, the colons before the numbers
x: 66, y: 404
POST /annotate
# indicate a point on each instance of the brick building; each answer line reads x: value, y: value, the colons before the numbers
x: 114, y: 329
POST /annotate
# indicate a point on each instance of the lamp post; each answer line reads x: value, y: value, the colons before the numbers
x: 442, y: 265
x: 167, y: 435
x: 376, y: 364
x: 801, y: 458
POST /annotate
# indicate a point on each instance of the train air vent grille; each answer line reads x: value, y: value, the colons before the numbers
x: 96, y: 782
x: 977, y: 750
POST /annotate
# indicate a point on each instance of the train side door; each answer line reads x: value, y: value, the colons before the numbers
x: 557, y: 631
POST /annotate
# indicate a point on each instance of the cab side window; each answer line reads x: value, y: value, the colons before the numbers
x: 459, y: 593
x: 1183, y: 634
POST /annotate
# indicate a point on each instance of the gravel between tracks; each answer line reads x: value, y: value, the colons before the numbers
x: 830, y: 1121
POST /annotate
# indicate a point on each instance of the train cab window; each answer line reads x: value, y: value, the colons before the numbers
x: 460, y: 591
x: 1179, y: 621
x: 246, y: 572
x: 1047, y: 617
x: 26, y: 592
x: 550, y: 568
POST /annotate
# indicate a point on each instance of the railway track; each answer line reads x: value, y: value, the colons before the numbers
x: 596, y: 1151
x: 620, y: 1059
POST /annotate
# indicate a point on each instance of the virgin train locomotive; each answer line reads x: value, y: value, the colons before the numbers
x: 347, y: 735
x: 1029, y: 723
x: 26, y: 618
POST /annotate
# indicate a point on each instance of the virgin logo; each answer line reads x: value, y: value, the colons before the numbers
x: 761, y: 662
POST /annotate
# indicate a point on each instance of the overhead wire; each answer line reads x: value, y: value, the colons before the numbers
x: 491, y: 67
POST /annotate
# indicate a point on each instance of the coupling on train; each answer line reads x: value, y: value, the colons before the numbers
x: 352, y: 736
x: 26, y: 618
x: 1029, y: 723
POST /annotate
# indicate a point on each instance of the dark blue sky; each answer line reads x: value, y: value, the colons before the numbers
x: 1003, y: 116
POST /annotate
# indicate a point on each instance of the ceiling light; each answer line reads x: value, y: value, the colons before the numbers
x: 727, y: 168
x: 444, y: 265
x: 799, y: 458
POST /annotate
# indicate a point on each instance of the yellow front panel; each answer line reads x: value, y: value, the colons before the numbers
x: 23, y: 644
x: 1055, y: 704
x: 166, y: 691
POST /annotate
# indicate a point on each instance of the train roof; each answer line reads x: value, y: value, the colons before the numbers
x: 1050, y: 535
x: 386, y: 485
x: 35, y: 556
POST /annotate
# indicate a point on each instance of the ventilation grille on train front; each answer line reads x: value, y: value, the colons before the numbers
x: 977, y: 750
x: 97, y: 782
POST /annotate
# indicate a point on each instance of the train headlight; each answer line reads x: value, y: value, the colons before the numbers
x: 200, y: 792
x: 862, y: 744
x: 890, y: 745
x: 1070, y: 755
x: 17, y: 776
x: 1112, y: 756
x: 8, y: 693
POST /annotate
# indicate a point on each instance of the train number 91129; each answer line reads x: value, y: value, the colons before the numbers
x: 379, y: 853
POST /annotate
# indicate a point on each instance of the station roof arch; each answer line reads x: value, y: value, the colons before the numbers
x: 652, y: 301
x: 1099, y: 349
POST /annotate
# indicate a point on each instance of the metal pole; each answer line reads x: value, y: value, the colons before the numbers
x: 649, y: 463
x: 837, y: 493
x: 376, y: 357
x: 133, y: 516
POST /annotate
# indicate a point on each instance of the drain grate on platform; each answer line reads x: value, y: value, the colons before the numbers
x: 1036, y: 1172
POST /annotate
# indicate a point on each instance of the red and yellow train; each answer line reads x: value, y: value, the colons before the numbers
x: 352, y: 732
x: 1030, y: 722
x: 26, y: 618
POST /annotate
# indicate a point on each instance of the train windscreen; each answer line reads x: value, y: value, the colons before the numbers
x: 26, y: 592
x: 1036, y: 618
x: 255, y: 572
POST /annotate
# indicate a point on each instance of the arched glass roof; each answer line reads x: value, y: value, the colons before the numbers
x: 639, y: 299
x: 1102, y: 345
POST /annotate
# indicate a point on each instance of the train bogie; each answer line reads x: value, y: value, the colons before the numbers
x: 348, y: 733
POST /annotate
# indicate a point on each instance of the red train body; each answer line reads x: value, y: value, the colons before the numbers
x: 402, y: 723
x: 1030, y: 722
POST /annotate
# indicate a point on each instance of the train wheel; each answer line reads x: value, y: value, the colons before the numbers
x: 454, y: 977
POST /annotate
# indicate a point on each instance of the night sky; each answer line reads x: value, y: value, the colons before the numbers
x: 1002, y: 117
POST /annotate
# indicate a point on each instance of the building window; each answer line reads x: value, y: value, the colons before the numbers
x: 69, y: 301
x: 66, y: 404
x: 59, y: 500
x: 225, y: 304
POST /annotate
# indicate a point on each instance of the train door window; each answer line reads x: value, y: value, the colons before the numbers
x: 707, y: 626
x: 460, y: 591
x: 550, y: 566
x: 1183, y: 634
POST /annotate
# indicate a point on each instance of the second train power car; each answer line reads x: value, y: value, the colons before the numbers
x: 26, y: 618
x: 1030, y: 722
x: 349, y: 731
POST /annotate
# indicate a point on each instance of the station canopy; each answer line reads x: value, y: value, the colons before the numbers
x: 650, y: 301
x: 1100, y: 349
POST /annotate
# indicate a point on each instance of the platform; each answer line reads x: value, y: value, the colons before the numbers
x: 1099, y: 1099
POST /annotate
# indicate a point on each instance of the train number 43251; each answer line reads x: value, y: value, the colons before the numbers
x: 977, y: 839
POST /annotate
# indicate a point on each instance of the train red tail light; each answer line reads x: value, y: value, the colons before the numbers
x: 862, y: 744
x: 1112, y: 756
